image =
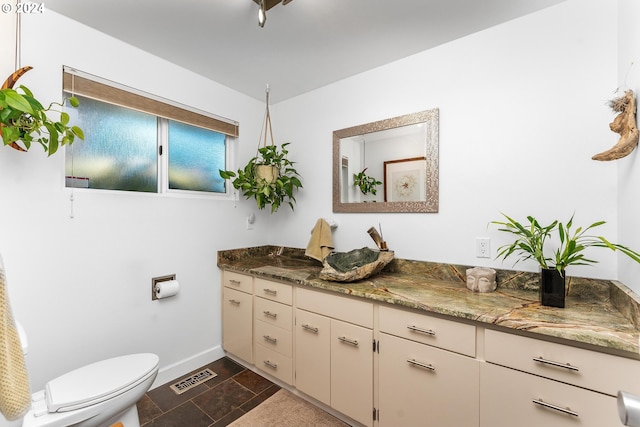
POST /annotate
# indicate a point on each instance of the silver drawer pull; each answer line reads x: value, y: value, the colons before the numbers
x: 234, y: 302
x: 234, y: 282
x: 270, y: 339
x: 270, y: 291
x: 270, y: 364
x: 270, y: 314
x: 422, y: 331
x: 310, y: 328
x: 348, y: 341
x: 414, y: 362
x: 568, y: 366
x: 554, y: 407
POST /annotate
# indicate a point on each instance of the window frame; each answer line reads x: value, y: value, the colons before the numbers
x: 83, y: 84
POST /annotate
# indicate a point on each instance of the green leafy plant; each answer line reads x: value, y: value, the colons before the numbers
x: 24, y: 119
x: 531, y: 238
x: 366, y: 183
x: 267, y: 191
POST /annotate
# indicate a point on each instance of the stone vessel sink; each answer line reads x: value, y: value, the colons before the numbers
x: 354, y: 265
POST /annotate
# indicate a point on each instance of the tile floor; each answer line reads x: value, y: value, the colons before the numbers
x: 214, y: 403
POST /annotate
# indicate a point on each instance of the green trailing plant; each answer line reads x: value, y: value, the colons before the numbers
x: 531, y: 239
x: 366, y: 183
x: 23, y: 120
x: 273, y: 192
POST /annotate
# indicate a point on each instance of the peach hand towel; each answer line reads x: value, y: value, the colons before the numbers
x: 321, y: 243
x: 15, y: 396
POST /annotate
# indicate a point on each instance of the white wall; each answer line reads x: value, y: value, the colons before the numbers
x: 82, y: 287
x: 8, y: 47
x: 629, y: 167
x: 522, y: 110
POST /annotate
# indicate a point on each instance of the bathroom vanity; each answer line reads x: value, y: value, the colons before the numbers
x: 413, y: 346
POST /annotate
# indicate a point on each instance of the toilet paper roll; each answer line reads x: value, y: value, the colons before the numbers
x: 167, y: 288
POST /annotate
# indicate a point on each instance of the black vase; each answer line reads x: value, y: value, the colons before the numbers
x: 552, y: 287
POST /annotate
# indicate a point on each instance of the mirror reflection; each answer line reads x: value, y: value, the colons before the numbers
x: 387, y: 166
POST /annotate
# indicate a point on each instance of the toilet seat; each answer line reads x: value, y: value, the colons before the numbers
x: 98, y: 382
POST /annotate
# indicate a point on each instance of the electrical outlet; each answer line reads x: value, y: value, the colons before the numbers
x: 250, y: 220
x: 483, y: 247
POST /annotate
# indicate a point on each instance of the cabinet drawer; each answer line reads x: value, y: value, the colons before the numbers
x: 275, y: 291
x: 335, y: 306
x: 237, y: 324
x: 417, y: 379
x: 589, y: 369
x: 446, y: 334
x: 274, y: 363
x: 273, y: 337
x: 273, y: 313
x: 241, y: 282
x: 505, y: 405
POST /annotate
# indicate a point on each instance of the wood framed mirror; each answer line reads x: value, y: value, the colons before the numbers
x: 400, y: 155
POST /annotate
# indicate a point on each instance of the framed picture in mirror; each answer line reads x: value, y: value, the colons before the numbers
x: 405, y: 180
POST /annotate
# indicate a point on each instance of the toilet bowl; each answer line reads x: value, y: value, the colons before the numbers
x: 97, y: 395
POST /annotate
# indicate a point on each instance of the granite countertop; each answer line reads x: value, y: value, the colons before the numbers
x: 599, y: 314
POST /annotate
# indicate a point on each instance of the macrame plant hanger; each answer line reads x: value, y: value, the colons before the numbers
x: 267, y: 124
x: 267, y: 171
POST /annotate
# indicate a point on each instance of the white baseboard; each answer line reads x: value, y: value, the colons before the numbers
x: 183, y: 367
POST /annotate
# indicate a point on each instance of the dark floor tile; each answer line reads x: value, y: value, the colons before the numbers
x: 225, y: 368
x: 229, y: 418
x: 252, y: 403
x: 147, y: 409
x: 184, y: 415
x: 253, y: 381
x: 215, y: 403
x: 167, y: 399
x: 222, y: 399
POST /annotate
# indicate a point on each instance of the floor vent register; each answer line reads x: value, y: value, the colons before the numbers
x: 191, y: 381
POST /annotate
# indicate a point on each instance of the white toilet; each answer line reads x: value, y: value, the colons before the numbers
x: 101, y: 394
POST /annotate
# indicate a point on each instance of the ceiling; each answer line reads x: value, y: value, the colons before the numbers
x: 304, y: 45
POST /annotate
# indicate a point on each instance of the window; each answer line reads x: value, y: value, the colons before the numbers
x: 135, y: 142
x: 119, y: 151
x: 195, y: 157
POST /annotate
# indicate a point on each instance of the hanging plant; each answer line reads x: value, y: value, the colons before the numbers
x: 366, y: 183
x: 23, y: 119
x: 269, y: 177
x: 275, y: 186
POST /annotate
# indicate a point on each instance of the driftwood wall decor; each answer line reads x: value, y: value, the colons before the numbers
x: 625, y: 125
x: 8, y: 84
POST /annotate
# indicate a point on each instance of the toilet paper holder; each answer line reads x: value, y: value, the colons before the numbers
x: 156, y: 280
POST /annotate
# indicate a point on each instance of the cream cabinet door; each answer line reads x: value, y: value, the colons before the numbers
x: 313, y: 355
x: 423, y: 386
x: 513, y: 398
x: 352, y: 371
x: 237, y: 323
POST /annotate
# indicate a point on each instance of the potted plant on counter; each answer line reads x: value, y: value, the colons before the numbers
x: 269, y: 177
x: 530, y: 243
x: 24, y: 120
